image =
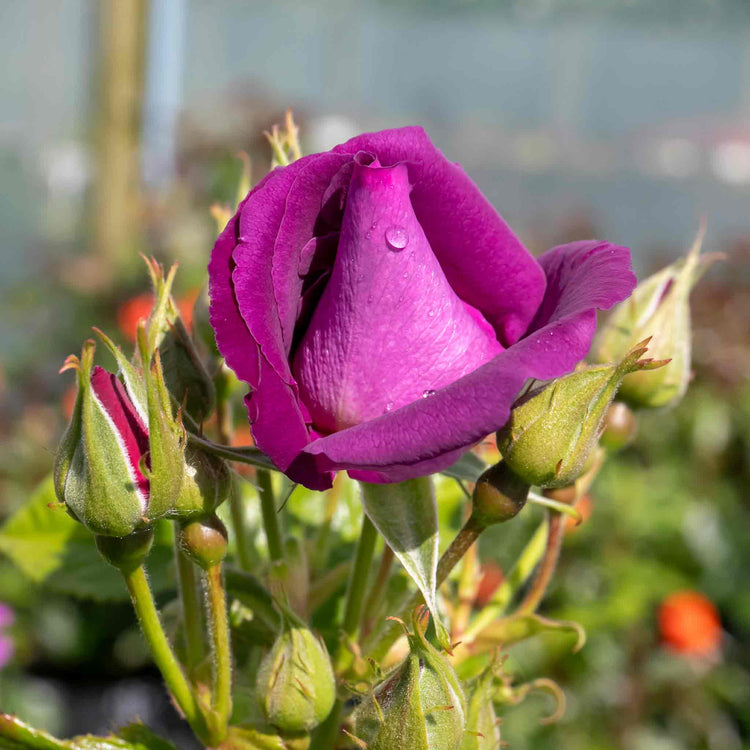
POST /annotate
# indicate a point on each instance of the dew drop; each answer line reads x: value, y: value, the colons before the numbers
x: 429, y: 392
x: 389, y: 406
x: 396, y: 238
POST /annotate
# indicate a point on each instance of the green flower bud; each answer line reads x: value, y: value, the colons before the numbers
x: 127, y: 552
x: 619, y: 428
x: 482, y: 726
x: 185, y: 375
x: 551, y: 432
x: 659, y: 307
x: 295, y: 685
x: 499, y: 495
x: 419, y: 705
x: 120, y: 462
x: 206, y: 484
x: 204, y: 541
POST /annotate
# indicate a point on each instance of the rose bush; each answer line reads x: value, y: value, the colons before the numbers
x: 385, y: 316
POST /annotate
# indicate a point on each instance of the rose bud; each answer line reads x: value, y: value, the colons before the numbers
x: 553, y: 430
x: 659, y: 308
x: 419, y: 705
x: 206, y: 484
x: 295, y: 685
x: 385, y: 317
x: 185, y: 374
x: 204, y: 541
x: 120, y: 462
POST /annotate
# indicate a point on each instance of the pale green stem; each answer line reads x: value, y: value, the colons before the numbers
x: 536, y: 592
x: 270, y: 516
x: 221, y: 695
x: 555, y: 505
x: 192, y: 613
x: 174, y: 678
x: 241, y: 534
x: 518, y: 575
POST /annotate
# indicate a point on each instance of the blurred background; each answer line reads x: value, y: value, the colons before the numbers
x: 120, y: 125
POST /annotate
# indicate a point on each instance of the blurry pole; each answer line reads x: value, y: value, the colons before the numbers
x: 163, y: 97
x: 116, y: 219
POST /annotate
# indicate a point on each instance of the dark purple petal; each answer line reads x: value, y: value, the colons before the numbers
x: 131, y: 432
x: 424, y: 436
x: 388, y: 328
x: 483, y: 260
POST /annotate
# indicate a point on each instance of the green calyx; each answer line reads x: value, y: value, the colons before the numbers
x: 295, y: 685
x: 128, y: 552
x: 499, y: 495
x: 204, y: 541
x: 419, y: 705
x: 658, y: 308
x: 552, y: 432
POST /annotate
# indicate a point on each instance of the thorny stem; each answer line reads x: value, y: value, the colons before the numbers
x: 270, y: 516
x: 536, y: 591
x: 192, y: 613
x: 177, y: 684
x: 221, y: 695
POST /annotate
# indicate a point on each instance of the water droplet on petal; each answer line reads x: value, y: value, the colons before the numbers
x: 429, y: 392
x: 389, y: 406
x: 396, y: 238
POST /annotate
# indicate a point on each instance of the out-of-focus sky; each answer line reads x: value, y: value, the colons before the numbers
x: 631, y: 116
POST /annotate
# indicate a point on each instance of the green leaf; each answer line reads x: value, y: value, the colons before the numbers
x: 55, y: 551
x: 515, y: 628
x: 469, y: 468
x: 406, y: 516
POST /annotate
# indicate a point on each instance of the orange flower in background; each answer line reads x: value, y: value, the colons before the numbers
x: 133, y: 310
x: 689, y: 624
x: 185, y: 305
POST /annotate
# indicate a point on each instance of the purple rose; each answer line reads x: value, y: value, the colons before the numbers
x: 385, y: 316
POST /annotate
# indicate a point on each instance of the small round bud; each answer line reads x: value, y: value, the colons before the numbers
x: 204, y: 541
x: 620, y: 427
x: 125, y: 552
x: 295, y: 685
x: 499, y: 495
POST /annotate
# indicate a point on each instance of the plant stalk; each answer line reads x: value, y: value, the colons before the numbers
x: 174, y: 678
x: 270, y: 516
x: 192, y: 612
x: 221, y: 694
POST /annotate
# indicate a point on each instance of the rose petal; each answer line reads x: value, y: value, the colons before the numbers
x: 388, y: 328
x: 483, y: 260
x: 424, y: 436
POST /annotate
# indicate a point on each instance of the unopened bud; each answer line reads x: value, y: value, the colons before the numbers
x: 420, y: 705
x: 206, y: 483
x: 204, y: 541
x: 295, y: 685
x: 551, y: 432
x: 619, y: 428
x: 499, y: 495
x: 107, y: 470
x: 660, y: 308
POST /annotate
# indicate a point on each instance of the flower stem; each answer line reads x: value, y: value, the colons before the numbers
x: 148, y: 617
x: 355, y: 591
x: 270, y: 517
x: 192, y: 612
x: 221, y: 695
x: 469, y: 533
x: 518, y: 575
x: 536, y: 592
x: 241, y: 536
x: 378, y: 588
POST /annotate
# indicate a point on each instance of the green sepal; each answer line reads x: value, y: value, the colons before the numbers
x: 506, y: 631
x: 206, y: 484
x: 482, y: 726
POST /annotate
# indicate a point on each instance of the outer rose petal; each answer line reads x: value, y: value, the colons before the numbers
x: 256, y: 352
x: 426, y: 435
x: 483, y: 260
